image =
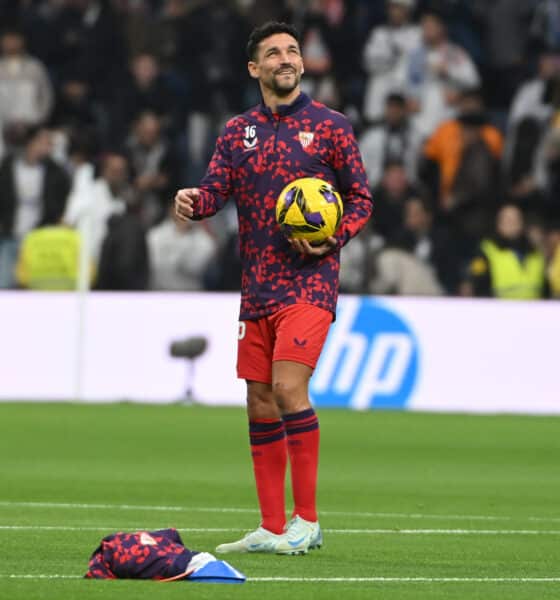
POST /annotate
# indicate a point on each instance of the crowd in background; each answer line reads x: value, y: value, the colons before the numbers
x: 108, y: 106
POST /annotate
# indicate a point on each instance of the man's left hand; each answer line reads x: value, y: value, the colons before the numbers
x: 305, y: 247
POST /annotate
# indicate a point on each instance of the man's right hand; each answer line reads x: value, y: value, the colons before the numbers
x: 185, y: 200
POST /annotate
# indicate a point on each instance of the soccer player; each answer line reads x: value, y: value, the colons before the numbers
x: 289, y: 288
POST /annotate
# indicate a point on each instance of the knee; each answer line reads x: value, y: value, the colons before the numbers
x: 290, y: 396
x: 261, y: 405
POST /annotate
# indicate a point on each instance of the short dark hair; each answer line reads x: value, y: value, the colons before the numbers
x: 266, y: 30
x: 396, y: 98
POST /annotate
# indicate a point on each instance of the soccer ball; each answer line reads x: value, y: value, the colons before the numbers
x: 309, y: 208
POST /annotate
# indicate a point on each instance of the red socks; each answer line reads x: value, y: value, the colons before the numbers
x: 268, y: 449
x: 270, y: 452
x: 302, y: 430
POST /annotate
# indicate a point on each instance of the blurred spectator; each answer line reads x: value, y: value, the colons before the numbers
x: 76, y: 112
x: 33, y: 192
x: 353, y: 266
x: 165, y: 34
x: 545, y: 25
x: 26, y: 94
x: 88, y: 39
x: 105, y: 196
x: 390, y: 197
x: 476, y: 189
x: 258, y: 12
x: 224, y: 270
x: 145, y: 89
x: 507, y: 265
x: 401, y: 273
x: 437, y: 72
x: 215, y: 68
x: 553, y: 251
x: 49, y: 258
x: 79, y: 165
x: 317, y: 55
x: 537, y: 97
x: 531, y: 112
x: 525, y: 166
x: 430, y: 243
x: 139, y: 29
x: 180, y: 253
x: 386, y: 54
x: 551, y: 162
x: 444, y: 150
x: 392, y: 140
x: 155, y: 168
x: 124, y: 262
x: 505, y: 33
x: 331, y: 50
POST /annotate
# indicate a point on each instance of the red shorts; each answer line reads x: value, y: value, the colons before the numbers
x: 295, y: 333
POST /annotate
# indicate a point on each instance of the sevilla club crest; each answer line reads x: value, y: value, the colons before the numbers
x: 306, y: 138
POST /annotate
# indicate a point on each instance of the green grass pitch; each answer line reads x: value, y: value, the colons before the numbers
x: 413, y: 505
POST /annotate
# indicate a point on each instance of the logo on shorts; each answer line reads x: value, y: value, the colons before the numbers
x: 370, y: 359
x: 242, y: 330
x: 300, y: 343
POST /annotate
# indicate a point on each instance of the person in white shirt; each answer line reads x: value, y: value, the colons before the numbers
x: 180, y: 253
x: 393, y: 139
x: 26, y: 92
x: 436, y: 73
x: 386, y: 54
x: 534, y: 98
x: 92, y: 203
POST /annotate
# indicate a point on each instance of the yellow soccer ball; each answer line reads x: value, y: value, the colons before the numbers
x: 309, y: 208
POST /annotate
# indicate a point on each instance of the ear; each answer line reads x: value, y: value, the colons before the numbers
x: 253, y: 69
x: 302, y: 69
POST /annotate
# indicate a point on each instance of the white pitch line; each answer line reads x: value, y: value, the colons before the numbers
x: 471, y: 532
x: 217, y: 509
x: 408, y: 579
x: 117, y: 528
x: 343, y: 579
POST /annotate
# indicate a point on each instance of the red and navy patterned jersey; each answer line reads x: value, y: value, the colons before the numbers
x: 259, y: 153
x: 141, y: 555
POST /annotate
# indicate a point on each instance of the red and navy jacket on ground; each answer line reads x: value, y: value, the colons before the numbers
x: 255, y: 157
x: 142, y: 555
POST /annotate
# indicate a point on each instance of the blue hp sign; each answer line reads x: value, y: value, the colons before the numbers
x: 370, y: 359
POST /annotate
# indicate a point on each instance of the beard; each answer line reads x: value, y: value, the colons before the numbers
x: 284, y: 88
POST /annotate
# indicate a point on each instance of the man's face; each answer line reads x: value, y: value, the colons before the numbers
x: 148, y: 130
x: 397, y: 14
x: 115, y: 171
x: 278, y: 65
x: 509, y: 222
x: 433, y: 30
x: 395, y: 113
x: 416, y: 217
x: 40, y: 146
x: 145, y: 69
x: 12, y: 44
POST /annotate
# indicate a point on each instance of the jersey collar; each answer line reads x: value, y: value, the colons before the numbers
x: 285, y: 110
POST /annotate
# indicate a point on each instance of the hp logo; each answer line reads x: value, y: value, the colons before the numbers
x: 370, y: 359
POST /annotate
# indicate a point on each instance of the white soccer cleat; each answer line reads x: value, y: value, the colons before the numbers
x: 260, y: 540
x: 300, y: 536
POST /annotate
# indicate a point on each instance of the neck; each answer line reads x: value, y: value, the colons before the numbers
x: 273, y: 101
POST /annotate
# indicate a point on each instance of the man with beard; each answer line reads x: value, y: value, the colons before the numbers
x: 289, y: 288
